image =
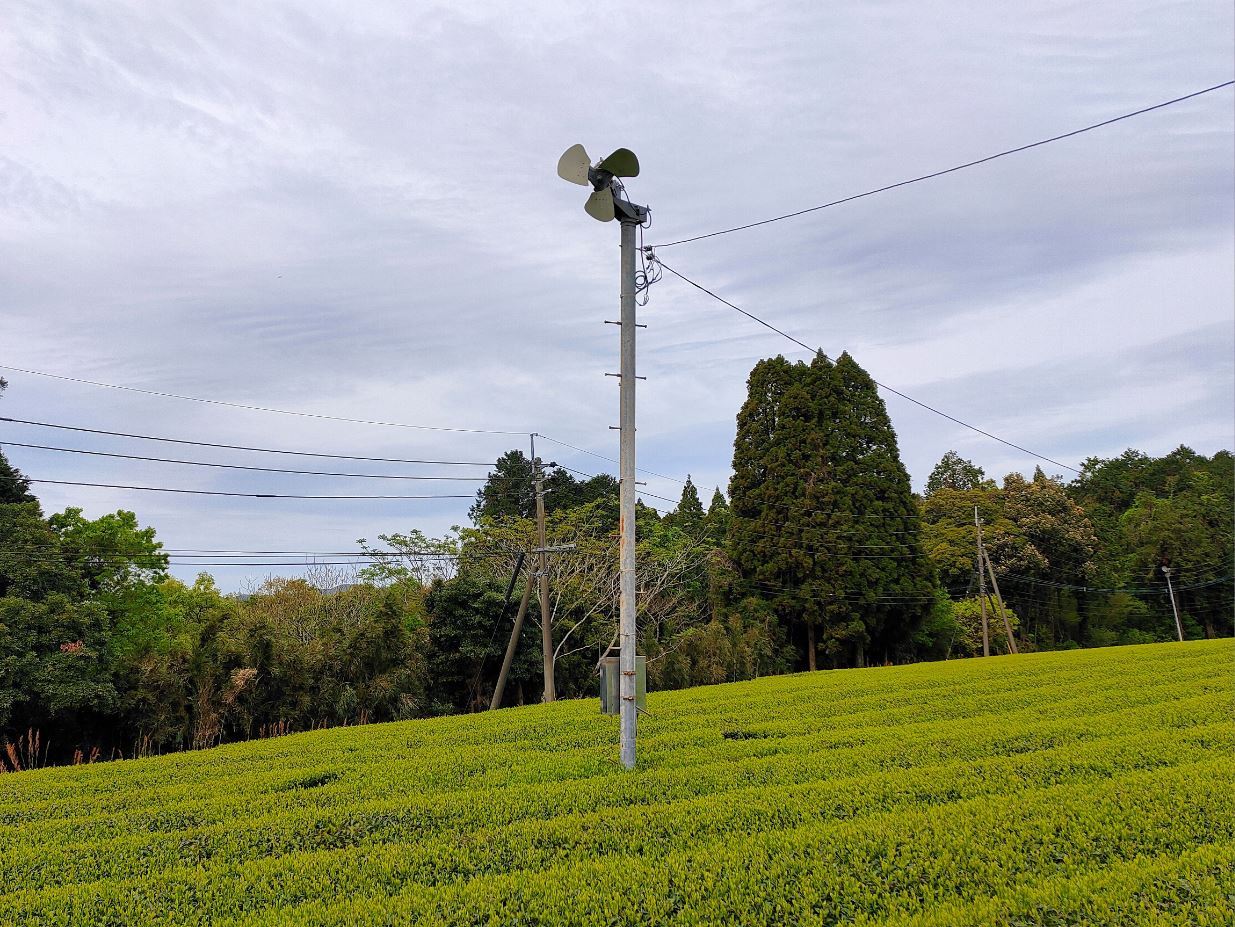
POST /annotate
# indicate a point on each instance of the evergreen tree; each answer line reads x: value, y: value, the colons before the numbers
x: 822, y: 523
x: 14, y: 486
x: 689, y: 512
x: 778, y: 461
x: 894, y: 581
x: 509, y: 491
x: 716, y: 522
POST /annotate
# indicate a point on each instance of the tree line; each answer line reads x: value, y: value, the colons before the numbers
x: 820, y: 555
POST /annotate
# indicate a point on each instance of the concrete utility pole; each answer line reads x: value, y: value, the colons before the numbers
x: 500, y: 689
x: 606, y: 203
x: 1003, y: 613
x: 628, y: 713
x: 542, y: 570
x: 1179, y: 628
x: 986, y: 637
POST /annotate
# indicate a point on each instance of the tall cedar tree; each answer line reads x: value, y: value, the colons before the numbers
x: 821, y: 523
x: 689, y: 512
x: 14, y: 486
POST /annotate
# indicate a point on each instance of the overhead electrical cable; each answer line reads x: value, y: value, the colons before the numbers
x: 245, y: 495
x: 255, y: 408
x: 883, y: 386
x: 584, y: 450
x: 202, y: 463
x: 1162, y: 589
x: 950, y: 170
x: 241, y: 447
x: 116, y: 554
x: 176, y: 562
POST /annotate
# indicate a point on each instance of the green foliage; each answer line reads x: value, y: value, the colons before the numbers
x: 1169, y: 511
x: 967, y: 639
x: 689, y: 513
x: 823, y: 524
x: 1053, y: 524
x: 14, y: 485
x: 716, y: 522
x: 464, y: 660
x: 1064, y: 788
x: 413, y: 557
x: 111, y: 552
x: 122, y: 564
x: 509, y: 493
x: 52, y: 668
x: 954, y: 472
x: 316, y: 656
x: 32, y: 565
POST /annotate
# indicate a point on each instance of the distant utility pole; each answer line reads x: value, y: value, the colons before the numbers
x: 986, y: 637
x: 542, y: 571
x: 500, y: 689
x: 1179, y: 628
x: 1003, y: 613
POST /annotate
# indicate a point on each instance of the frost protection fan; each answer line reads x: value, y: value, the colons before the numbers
x: 604, y: 204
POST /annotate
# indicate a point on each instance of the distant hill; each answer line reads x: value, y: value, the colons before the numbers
x: 1083, y: 787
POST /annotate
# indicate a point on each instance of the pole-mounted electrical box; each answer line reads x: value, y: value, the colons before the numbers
x: 611, y: 684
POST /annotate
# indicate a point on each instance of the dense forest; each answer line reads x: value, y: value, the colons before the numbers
x: 819, y: 555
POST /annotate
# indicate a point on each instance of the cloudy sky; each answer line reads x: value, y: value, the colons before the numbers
x: 350, y: 209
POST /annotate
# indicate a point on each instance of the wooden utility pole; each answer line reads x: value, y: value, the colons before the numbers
x: 986, y: 637
x: 542, y: 571
x: 1007, y: 625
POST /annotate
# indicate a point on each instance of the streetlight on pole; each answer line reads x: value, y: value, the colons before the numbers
x: 1179, y: 628
x: 608, y: 202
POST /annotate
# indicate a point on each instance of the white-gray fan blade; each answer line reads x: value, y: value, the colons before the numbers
x: 573, y: 165
x: 600, y: 205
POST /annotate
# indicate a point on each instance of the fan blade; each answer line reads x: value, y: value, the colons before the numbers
x: 573, y: 165
x: 622, y: 163
x: 600, y: 205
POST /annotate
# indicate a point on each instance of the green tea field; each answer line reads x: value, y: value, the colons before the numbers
x: 1088, y: 787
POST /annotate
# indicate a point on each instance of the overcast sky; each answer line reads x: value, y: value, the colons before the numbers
x: 351, y: 209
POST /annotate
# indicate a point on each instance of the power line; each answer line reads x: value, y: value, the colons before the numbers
x: 245, y: 495
x: 120, y: 556
x: 884, y: 386
x: 201, y: 463
x: 583, y: 450
x: 241, y: 447
x: 950, y: 170
x: 253, y: 408
x: 1160, y: 590
x: 224, y: 563
x: 46, y: 551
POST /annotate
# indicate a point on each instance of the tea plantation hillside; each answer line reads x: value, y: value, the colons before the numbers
x: 1090, y: 787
